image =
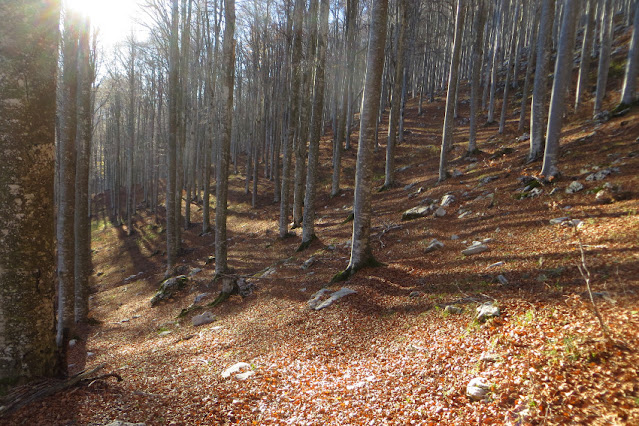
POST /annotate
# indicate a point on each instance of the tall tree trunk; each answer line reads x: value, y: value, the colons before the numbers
x: 293, y: 117
x: 361, y: 250
x: 604, y: 55
x: 449, y: 125
x: 171, y: 188
x: 393, y: 119
x: 540, y: 89
x: 308, y: 231
x: 529, y: 67
x: 221, y: 188
x: 27, y: 136
x: 509, y: 70
x: 563, y: 71
x: 586, y: 49
x: 66, y: 170
x: 82, y: 263
x: 131, y: 139
x: 629, y: 90
x: 477, y: 54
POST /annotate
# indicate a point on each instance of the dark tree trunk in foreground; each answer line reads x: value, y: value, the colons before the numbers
x: 629, y: 91
x: 28, y: 52
x: 222, y: 184
x: 361, y: 250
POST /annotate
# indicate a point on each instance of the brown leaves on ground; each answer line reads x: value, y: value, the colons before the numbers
x: 381, y: 356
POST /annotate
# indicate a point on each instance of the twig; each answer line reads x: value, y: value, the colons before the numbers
x: 585, y: 273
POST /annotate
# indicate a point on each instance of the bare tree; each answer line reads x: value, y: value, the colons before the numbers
x: 629, y: 91
x: 361, y: 250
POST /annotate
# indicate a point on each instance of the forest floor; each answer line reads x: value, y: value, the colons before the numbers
x: 388, y: 354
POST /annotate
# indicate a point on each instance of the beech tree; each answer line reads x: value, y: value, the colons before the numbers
x: 361, y: 250
x: 563, y: 70
x: 28, y: 62
x: 221, y: 188
x: 629, y: 90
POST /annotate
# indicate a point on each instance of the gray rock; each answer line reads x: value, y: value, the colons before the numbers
x: 308, y: 263
x: 317, y: 297
x: 575, y: 186
x: 202, y: 319
x: 200, y: 297
x: 453, y: 310
x: 238, y: 369
x: 478, y: 389
x: 415, y: 293
x: 486, y: 311
x: 447, y: 200
x: 454, y: 237
x: 604, y: 196
x: 487, y: 179
x: 121, y: 423
x: 195, y: 271
x: 535, y: 192
x: 524, y: 137
x: 475, y: 249
x: 558, y: 220
x: 335, y: 297
x: 245, y: 288
x: 168, y: 288
x: 72, y: 343
x: 417, y: 212
x: 434, y: 245
x: 440, y: 212
x: 599, y: 175
x: 456, y: 173
x: 403, y: 169
x: 502, y: 280
x: 164, y: 333
x: 409, y: 186
x: 500, y: 263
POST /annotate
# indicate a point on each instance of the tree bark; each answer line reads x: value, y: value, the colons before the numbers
x: 28, y: 51
x: 629, y: 90
x: 604, y: 55
x: 221, y: 188
x: 563, y: 70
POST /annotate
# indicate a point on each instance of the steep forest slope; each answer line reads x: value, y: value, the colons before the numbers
x: 390, y: 353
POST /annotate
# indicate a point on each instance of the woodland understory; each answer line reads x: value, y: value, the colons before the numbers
x: 195, y: 169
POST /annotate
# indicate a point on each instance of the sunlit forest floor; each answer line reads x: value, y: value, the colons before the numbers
x: 388, y: 354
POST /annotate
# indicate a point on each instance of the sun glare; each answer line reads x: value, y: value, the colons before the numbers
x: 114, y: 19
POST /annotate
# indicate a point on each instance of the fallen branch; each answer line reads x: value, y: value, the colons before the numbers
x: 27, y: 394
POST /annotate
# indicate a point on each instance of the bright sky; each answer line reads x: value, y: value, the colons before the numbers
x: 114, y: 18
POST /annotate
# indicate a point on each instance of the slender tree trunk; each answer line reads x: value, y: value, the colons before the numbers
x: 586, y: 49
x: 293, y: 117
x: 221, y: 188
x: 171, y: 188
x: 449, y: 125
x: 563, y: 71
x: 393, y: 119
x: 511, y: 61
x: 82, y: 263
x: 131, y: 139
x: 604, y: 55
x: 477, y: 54
x: 66, y: 169
x: 361, y: 250
x: 537, y: 120
x: 529, y: 67
x: 27, y: 243
x: 629, y: 90
x: 308, y: 231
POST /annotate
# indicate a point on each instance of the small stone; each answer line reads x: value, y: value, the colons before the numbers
x: 558, y: 220
x: 475, y: 249
x: 195, y: 271
x: 486, y: 311
x: 454, y: 310
x: 456, y: 173
x: 440, y: 212
x: 202, y: 319
x: 599, y: 175
x: 417, y: 212
x: 494, y: 265
x: 575, y: 186
x: 245, y: 375
x: 454, y: 237
x: 308, y: 263
x: 238, y: 368
x: 447, y: 200
x: 72, y: 342
x: 502, y: 280
x: 409, y: 186
x: 487, y: 179
x: 478, y: 389
x: 434, y: 245
x: 524, y: 137
x: 200, y: 297
x: 415, y: 293
x: 90, y: 354
x: 164, y: 333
